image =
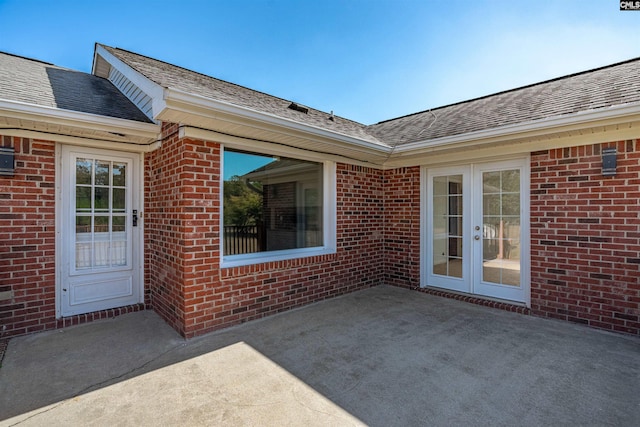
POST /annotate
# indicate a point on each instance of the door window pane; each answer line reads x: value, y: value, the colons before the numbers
x: 102, y: 173
x: 511, y: 204
x: 119, y: 174
x: 101, y: 198
x: 83, y: 199
x: 501, y: 227
x: 119, y: 199
x: 102, y: 238
x: 83, y: 242
x: 119, y: 225
x: 447, y: 225
x: 119, y: 241
x: 84, y: 171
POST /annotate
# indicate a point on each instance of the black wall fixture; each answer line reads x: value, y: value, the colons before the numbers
x: 609, y: 162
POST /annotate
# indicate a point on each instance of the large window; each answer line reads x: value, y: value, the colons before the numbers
x: 271, y: 206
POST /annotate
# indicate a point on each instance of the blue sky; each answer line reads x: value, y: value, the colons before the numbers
x: 366, y: 60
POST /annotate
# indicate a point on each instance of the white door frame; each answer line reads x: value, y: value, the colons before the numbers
x: 62, y: 240
x: 472, y: 267
x: 452, y: 283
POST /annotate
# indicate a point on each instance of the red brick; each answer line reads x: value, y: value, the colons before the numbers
x: 604, y: 214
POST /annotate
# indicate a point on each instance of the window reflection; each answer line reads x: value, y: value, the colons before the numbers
x: 271, y: 203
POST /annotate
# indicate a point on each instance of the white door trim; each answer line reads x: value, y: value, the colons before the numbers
x: 522, y: 293
x: 471, y: 275
x: 62, y: 241
x: 462, y: 284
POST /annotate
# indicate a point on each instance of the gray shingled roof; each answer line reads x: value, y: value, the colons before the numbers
x: 39, y: 83
x: 616, y: 84
x: 43, y: 84
x: 172, y: 76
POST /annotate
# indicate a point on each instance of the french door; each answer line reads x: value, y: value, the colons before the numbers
x: 100, y: 237
x: 476, y: 238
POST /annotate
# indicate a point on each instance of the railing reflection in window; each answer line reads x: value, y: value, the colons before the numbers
x: 243, y: 239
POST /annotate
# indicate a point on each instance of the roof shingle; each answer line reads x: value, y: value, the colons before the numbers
x: 39, y: 83
x: 174, y: 77
x: 613, y: 85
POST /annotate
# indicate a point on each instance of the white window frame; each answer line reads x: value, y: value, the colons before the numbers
x: 328, y: 214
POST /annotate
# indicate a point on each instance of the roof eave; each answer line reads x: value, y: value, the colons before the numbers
x: 582, y: 119
x: 73, y: 119
x: 182, y: 101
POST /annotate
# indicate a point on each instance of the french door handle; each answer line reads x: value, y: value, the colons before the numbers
x: 135, y: 218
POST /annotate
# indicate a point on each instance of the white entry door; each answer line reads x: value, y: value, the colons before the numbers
x: 477, y: 236
x: 100, y: 231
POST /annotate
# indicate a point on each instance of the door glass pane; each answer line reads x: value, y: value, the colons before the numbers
x: 102, y: 173
x: 102, y: 237
x: 101, y: 241
x: 83, y: 242
x: 83, y: 199
x: 119, y: 241
x: 119, y: 198
x: 119, y: 174
x: 501, y: 227
x: 511, y: 204
x: 101, y: 198
x: 447, y: 225
x: 84, y: 171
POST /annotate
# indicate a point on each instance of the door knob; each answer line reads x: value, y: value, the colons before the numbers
x: 477, y: 237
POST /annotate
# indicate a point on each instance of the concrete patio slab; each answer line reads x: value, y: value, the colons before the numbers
x: 384, y: 356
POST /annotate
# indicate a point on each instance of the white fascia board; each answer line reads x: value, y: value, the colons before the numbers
x: 24, y: 111
x: 81, y: 141
x: 151, y: 88
x: 189, y: 99
x: 239, y: 143
x: 533, y: 128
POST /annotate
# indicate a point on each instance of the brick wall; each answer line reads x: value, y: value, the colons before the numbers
x: 27, y: 239
x: 240, y: 294
x: 181, y: 224
x: 585, y: 240
x: 585, y: 236
x: 402, y: 227
x: 182, y: 216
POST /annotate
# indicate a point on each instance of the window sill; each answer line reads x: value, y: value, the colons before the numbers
x: 275, y: 256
